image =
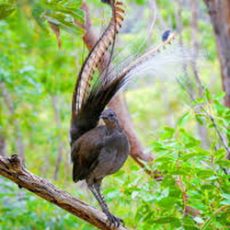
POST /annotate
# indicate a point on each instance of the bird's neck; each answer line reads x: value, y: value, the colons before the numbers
x: 113, y: 127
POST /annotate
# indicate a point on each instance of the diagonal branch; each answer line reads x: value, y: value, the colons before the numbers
x: 13, y: 169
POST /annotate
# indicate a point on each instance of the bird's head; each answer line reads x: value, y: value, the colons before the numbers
x: 107, y: 1
x: 110, y: 118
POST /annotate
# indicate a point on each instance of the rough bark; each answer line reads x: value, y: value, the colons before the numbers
x: 118, y: 102
x: 219, y: 11
x: 13, y: 169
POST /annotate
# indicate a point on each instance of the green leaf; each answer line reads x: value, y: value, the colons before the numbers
x: 158, y: 146
x: 63, y: 22
x: 226, y: 200
x: 168, y: 202
x: 60, y: 13
x: 6, y: 9
x: 205, y: 173
x: 167, y: 133
x: 198, y: 220
x: 200, y: 118
x: 184, y: 119
x: 165, y: 220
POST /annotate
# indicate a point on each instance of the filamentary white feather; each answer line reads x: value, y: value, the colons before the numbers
x: 168, y: 62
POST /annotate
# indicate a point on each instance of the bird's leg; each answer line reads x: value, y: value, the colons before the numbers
x: 96, y: 190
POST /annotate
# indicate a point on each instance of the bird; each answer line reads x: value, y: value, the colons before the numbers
x: 98, y: 153
x: 101, y: 150
x: 166, y: 35
x: 98, y: 150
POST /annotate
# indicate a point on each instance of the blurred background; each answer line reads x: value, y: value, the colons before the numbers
x: 180, y: 116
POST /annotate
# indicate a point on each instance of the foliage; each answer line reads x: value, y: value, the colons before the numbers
x: 34, y: 71
x: 6, y: 8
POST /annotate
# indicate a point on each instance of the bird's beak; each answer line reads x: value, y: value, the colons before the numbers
x: 103, y: 116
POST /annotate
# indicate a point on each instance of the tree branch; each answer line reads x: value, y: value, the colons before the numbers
x: 13, y: 169
x: 219, y: 12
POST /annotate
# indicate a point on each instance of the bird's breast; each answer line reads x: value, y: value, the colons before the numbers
x: 118, y: 149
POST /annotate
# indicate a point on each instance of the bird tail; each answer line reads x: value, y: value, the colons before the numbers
x: 81, y: 120
x: 91, y: 96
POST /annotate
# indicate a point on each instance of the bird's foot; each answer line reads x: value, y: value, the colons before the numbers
x: 113, y: 221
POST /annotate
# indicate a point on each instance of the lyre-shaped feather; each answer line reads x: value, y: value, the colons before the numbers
x: 107, y: 86
x: 144, y: 58
x: 83, y: 85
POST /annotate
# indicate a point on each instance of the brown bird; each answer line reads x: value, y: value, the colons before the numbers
x: 98, y: 151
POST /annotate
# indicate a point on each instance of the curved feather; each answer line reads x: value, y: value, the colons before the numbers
x: 105, y: 88
x: 83, y: 84
x: 166, y: 41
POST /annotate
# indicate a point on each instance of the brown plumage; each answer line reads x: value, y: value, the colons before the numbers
x: 97, y: 151
x: 108, y: 37
x: 100, y: 152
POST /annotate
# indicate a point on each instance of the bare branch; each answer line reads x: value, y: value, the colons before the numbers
x: 185, y: 199
x: 219, y: 12
x: 212, y: 120
x: 13, y: 169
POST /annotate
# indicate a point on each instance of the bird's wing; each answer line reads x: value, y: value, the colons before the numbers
x: 85, y: 152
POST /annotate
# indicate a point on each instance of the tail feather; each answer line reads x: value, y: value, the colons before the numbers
x: 104, y: 88
x: 166, y: 41
x: 82, y: 121
x: 85, y: 76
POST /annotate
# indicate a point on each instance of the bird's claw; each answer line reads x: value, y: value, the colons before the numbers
x: 113, y: 221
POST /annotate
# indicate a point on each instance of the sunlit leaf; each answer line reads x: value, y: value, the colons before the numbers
x: 6, y: 9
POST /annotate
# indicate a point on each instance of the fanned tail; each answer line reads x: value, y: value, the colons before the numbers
x: 84, y: 83
x: 106, y: 87
x: 93, y: 59
x: 167, y: 39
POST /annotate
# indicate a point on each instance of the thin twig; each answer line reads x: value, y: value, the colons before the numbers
x: 211, y: 118
x: 209, y: 221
